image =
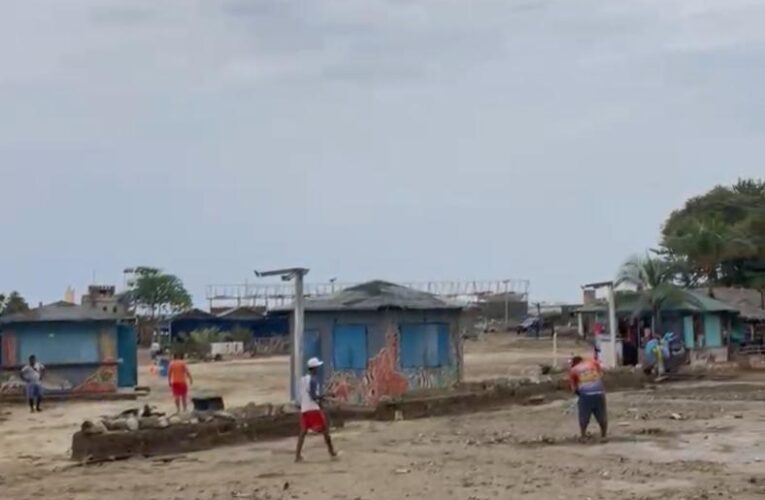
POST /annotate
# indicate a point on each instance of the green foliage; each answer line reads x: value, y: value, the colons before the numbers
x: 198, y: 343
x: 12, y: 304
x: 655, y: 279
x: 721, y: 235
x: 239, y: 334
x: 155, y: 292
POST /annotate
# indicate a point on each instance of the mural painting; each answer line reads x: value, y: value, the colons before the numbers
x: 384, y: 379
x: 11, y: 383
x: 103, y: 380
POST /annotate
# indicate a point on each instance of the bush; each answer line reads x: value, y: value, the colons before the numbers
x: 198, y: 343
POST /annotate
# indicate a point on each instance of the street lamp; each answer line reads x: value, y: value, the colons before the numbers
x: 298, y: 323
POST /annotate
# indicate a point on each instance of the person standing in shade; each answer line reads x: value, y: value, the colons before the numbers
x: 586, y: 381
x: 312, y: 417
x: 179, y: 378
x: 32, y: 374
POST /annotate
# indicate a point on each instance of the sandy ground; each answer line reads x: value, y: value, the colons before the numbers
x: 714, y: 450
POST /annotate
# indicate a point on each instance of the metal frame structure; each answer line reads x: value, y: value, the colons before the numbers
x: 280, y: 294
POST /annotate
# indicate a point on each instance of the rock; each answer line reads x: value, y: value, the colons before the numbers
x: 175, y: 420
x: 536, y: 400
x: 117, y: 424
x: 224, y: 415
x: 132, y: 424
x: 403, y: 471
x: 676, y: 416
x: 93, y: 427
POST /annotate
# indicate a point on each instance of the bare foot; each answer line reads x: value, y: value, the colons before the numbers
x: 335, y: 455
x: 298, y: 459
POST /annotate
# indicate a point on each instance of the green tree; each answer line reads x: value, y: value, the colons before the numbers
x: 13, y: 303
x: 654, y: 278
x: 721, y: 234
x: 156, y: 293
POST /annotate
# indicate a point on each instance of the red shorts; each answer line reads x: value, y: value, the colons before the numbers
x: 180, y: 389
x: 313, y: 420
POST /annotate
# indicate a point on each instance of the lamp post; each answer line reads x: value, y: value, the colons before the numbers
x: 298, y: 322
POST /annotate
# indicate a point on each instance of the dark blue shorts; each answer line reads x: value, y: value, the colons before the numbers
x: 592, y: 405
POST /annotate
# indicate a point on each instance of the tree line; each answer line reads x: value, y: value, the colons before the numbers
x: 716, y: 239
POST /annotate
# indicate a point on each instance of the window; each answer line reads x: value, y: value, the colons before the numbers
x: 349, y: 347
x: 425, y: 345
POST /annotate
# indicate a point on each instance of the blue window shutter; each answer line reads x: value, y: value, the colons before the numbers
x: 410, y: 347
x: 425, y: 345
x: 350, y: 347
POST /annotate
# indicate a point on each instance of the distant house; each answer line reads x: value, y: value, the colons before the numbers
x: 265, y: 334
x: 381, y: 340
x: 750, y: 304
x: 84, y: 349
x: 705, y: 324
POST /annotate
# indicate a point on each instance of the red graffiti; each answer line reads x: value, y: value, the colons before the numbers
x: 341, y: 389
x: 383, y: 378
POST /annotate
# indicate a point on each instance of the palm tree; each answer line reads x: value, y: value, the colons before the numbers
x: 654, y: 279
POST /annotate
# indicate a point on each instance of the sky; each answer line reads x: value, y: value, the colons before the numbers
x: 407, y: 140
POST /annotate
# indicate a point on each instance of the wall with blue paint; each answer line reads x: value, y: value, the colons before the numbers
x: 78, y: 356
x: 370, y: 355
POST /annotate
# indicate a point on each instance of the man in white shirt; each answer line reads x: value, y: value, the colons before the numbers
x: 311, y: 415
x: 32, y: 374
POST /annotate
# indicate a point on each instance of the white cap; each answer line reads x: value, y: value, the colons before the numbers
x: 315, y: 363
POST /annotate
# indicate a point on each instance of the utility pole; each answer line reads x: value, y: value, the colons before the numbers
x: 611, y: 298
x: 507, y: 303
x: 298, y: 322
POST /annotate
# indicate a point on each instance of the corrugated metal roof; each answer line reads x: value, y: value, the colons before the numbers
x: 242, y: 313
x: 376, y: 295
x: 747, y: 301
x: 696, y: 301
x: 60, y: 311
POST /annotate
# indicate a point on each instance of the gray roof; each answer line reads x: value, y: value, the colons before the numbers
x: 748, y: 302
x: 376, y: 295
x: 60, y: 311
x: 627, y: 302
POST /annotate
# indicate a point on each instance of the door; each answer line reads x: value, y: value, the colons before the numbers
x: 127, y: 354
x: 688, y: 333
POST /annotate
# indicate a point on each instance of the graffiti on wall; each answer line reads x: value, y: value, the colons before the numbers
x: 103, y: 380
x: 384, y: 379
x: 11, y: 383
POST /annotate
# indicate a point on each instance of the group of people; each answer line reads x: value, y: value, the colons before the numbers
x: 312, y: 416
x: 585, y: 378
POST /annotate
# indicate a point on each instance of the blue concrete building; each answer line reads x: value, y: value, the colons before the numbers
x: 381, y: 340
x: 84, y: 349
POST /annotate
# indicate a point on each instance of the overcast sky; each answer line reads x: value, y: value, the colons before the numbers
x: 396, y: 139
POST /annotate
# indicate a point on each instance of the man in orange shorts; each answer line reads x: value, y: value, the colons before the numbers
x: 177, y: 376
x: 311, y: 415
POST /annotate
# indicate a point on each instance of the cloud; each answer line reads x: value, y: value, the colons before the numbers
x: 408, y: 139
